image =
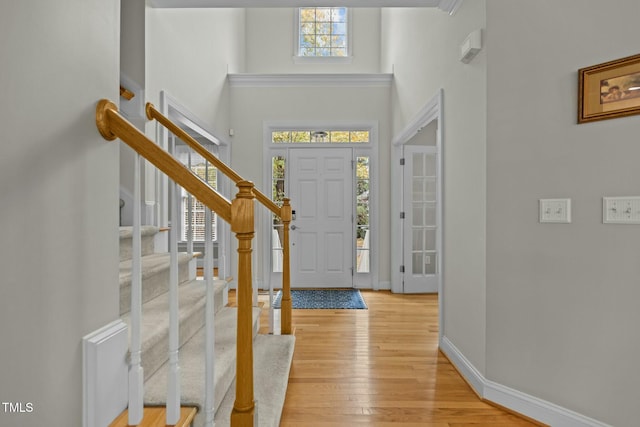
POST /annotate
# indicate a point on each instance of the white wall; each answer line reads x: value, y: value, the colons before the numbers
x: 59, y: 200
x: 132, y: 38
x: 252, y: 106
x: 421, y: 46
x: 562, y: 315
x: 132, y: 70
x: 270, y: 43
x: 188, y: 54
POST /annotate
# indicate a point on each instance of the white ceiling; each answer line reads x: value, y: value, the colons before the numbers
x: 448, y: 6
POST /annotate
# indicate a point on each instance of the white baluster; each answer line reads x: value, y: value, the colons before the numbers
x: 173, y: 380
x: 271, y: 310
x: 136, y: 374
x: 272, y: 319
x: 189, y: 213
x: 209, y: 322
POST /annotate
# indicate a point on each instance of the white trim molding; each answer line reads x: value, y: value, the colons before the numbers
x: 429, y: 112
x: 307, y: 80
x: 450, y: 6
x: 446, y: 5
x: 517, y: 401
x: 104, y: 374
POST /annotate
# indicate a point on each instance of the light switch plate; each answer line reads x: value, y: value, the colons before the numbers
x: 621, y: 210
x: 555, y: 211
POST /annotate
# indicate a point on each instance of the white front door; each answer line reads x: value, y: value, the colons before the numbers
x: 321, y: 185
x: 421, y: 232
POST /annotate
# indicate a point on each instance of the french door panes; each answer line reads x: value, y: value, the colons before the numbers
x: 423, y: 205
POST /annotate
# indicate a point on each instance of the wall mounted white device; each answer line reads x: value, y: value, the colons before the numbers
x: 471, y: 46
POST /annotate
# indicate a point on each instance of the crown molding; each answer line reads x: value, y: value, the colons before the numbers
x: 450, y: 6
x: 310, y: 80
x: 445, y: 5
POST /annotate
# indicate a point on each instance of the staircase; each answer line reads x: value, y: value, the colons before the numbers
x: 272, y: 354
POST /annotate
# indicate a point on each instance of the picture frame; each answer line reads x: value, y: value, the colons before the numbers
x: 609, y: 90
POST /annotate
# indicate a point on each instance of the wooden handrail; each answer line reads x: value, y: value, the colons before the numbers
x: 154, y: 114
x: 126, y: 93
x: 112, y: 125
x: 284, y: 212
x: 239, y: 214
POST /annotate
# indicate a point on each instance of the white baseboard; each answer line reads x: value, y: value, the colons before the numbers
x: 104, y: 374
x: 469, y: 372
x: 522, y: 403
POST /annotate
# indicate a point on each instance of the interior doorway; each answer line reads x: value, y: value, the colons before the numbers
x: 417, y: 176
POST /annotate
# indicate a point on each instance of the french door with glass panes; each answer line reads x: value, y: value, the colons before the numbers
x: 421, y: 219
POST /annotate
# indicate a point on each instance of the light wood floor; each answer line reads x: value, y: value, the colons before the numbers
x: 379, y: 367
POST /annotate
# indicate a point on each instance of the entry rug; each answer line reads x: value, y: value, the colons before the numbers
x: 324, y: 298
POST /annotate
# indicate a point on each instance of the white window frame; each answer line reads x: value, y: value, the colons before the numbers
x: 182, y: 154
x: 297, y: 59
x: 178, y: 113
x: 369, y: 280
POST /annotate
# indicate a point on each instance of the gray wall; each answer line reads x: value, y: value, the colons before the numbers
x: 59, y: 200
x: 562, y: 315
x: 548, y: 310
x: 421, y: 46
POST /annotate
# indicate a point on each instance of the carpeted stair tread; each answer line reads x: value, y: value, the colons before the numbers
x: 126, y: 232
x: 147, y: 233
x: 155, y: 277
x: 272, y: 356
x: 155, y: 321
x: 151, y: 265
x: 191, y: 361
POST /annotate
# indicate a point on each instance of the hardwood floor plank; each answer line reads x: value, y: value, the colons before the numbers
x: 379, y: 367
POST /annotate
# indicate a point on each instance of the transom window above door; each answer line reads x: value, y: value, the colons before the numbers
x: 323, y: 32
x: 320, y: 136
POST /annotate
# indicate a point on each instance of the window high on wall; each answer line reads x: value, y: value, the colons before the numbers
x: 323, y: 32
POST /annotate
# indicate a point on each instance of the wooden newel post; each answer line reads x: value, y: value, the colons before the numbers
x: 244, y: 412
x: 285, y: 314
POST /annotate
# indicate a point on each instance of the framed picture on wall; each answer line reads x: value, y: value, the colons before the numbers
x: 609, y: 90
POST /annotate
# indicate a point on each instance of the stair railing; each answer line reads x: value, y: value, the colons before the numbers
x: 284, y: 211
x: 239, y: 213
